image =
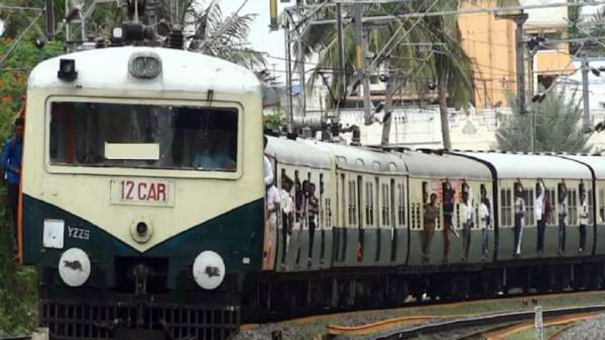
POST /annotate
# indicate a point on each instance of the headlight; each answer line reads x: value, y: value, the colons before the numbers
x: 74, y: 267
x: 209, y: 270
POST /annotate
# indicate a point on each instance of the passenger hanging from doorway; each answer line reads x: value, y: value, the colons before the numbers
x: 431, y: 211
x: 467, y: 213
x: 448, y: 215
x: 484, y: 221
x: 562, y: 206
x: 272, y: 207
x: 519, y: 215
x: 302, y: 211
x: 539, y: 214
x: 313, y: 203
x: 583, y: 217
x: 324, y: 220
x: 287, y: 209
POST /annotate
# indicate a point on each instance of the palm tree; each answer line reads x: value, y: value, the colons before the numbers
x: 557, y: 126
x: 211, y: 32
x: 448, y: 63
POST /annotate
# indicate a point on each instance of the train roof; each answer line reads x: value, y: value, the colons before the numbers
x: 292, y: 152
x: 182, y: 71
x: 513, y: 165
x: 596, y: 162
x: 444, y: 165
x: 355, y: 158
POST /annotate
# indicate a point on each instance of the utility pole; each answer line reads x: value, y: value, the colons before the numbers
x: 341, y: 62
x: 585, y: 94
x: 301, y: 76
x: 361, y: 62
x: 289, y: 75
x: 50, y: 20
x: 519, y: 17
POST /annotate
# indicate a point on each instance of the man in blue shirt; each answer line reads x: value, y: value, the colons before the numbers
x: 12, y: 152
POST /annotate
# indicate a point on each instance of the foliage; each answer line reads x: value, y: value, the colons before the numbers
x: 592, y: 29
x: 273, y: 121
x: 557, y: 126
x: 17, y: 285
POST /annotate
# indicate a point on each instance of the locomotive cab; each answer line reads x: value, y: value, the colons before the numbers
x: 132, y: 157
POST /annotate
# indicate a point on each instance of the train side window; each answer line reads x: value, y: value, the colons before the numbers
x: 343, y: 201
x: 369, y: 195
x: 377, y: 207
x: 572, y: 201
x: 351, y: 188
x: 590, y: 206
x: 321, y: 220
x: 401, y: 204
x: 386, y: 205
x: 601, y: 204
x: 529, y: 207
x: 506, y: 207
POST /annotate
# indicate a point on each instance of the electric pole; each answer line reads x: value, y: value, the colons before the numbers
x: 585, y: 94
x: 361, y: 62
x: 50, y: 20
x: 341, y: 62
x: 519, y: 18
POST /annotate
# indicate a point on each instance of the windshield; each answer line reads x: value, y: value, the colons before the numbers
x: 149, y: 136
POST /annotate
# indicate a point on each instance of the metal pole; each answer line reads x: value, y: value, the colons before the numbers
x: 341, y: 62
x: 586, y: 97
x: 520, y: 20
x: 361, y: 62
x: 50, y: 20
x: 301, y: 76
x: 289, y: 75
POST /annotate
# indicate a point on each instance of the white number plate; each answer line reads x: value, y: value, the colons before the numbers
x: 142, y: 191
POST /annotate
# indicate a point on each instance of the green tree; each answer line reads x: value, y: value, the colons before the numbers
x: 18, y: 295
x: 557, y: 126
x: 448, y: 63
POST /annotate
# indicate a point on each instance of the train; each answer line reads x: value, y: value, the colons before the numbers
x: 142, y: 206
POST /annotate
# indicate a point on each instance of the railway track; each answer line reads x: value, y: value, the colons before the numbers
x: 497, y: 324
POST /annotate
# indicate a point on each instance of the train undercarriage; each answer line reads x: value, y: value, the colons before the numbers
x: 277, y: 297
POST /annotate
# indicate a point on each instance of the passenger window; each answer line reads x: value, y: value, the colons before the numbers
x: 601, y: 205
x: 401, y: 205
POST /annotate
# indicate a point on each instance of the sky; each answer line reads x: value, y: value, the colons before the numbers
x: 261, y: 38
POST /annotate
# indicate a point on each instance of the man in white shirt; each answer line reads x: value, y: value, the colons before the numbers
x: 272, y: 206
x: 519, y: 215
x: 539, y: 214
x: 467, y: 212
x: 583, y: 217
x: 562, y: 207
x: 484, y: 221
x: 287, y: 208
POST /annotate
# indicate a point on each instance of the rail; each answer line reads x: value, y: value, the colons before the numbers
x: 487, y: 320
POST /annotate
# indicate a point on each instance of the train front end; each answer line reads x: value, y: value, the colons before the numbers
x: 142, y: 194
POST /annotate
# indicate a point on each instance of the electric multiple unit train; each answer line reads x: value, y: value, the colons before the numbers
x: 142, y: 207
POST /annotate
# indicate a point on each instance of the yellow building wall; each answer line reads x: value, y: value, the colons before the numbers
x: 490, y: 44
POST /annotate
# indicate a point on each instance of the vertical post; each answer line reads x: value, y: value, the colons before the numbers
x: 341, y: 62
x: 289, y: 75
x: 50, y: 20
x: 538, y: 323
x: 585, y: 94
x: 520, y: 20
x: 361, y: 62
x: 301, y: 76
